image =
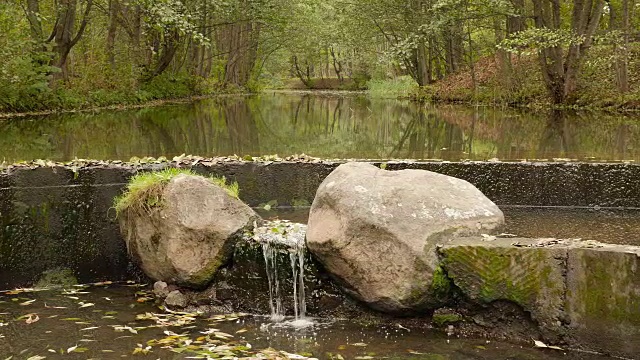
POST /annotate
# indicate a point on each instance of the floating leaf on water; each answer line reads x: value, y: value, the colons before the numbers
x: 73, y: 348
x: 222, y: 335
x: 84, y: 305
x: 121, y: 328
x: 415, y: 352
x: 363, y: 357
x: 102, y: 283
x: 32, y: 318
x: 71, y: 319
x: 141, y: 350
x: 54, y: 307
x: 36, y: 357
x: 28, y: 302
x: 539, y: 344
x: 90, y: 328
x: 241, y: 331
x: 358, y: 344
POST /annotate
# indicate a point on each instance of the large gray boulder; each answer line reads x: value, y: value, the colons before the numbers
x: 376, y: 231
x: 190, y: 235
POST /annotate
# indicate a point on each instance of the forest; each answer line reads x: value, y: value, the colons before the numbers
x: 69, y: 54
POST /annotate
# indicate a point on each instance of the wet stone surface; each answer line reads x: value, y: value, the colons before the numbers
x: 112, y: 321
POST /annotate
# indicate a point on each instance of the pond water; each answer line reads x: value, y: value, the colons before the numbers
x: 112, y: 321
x: 607, y: 226
x: 348, y: 126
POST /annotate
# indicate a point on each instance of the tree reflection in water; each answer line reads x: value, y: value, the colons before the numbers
x: 322, y: 125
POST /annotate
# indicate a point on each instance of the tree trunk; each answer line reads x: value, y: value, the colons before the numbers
x: 65, y: 39
x: 114, y: 9
x: 620, y: 50
x: 304, y: 77
x: 503, y: 59
x: 337, y: 65
x: 422, y: 65
x: 35, y: 25
x: 168, y: 51
x: 561, y: 73
x: 240, y: 41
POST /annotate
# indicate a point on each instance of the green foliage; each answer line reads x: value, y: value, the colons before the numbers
x: 400, y: 87
x: 59, y: 277
x: 530, y: 41
x: 187, y: 47
x: 144, y: 191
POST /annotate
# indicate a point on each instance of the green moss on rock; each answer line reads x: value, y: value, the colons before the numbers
x: 56, y: 278
x: 445, y: 319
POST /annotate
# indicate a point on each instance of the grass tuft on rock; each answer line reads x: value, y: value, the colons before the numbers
x: 144, y: 191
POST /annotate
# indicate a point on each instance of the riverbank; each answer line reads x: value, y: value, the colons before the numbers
x: 520, y: 84
x: 147, y: 104
x: 78, y: 95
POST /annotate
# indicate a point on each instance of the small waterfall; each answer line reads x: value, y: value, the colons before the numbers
x: 275, y: 300
x: 297, y: 269
x: 277, y: 238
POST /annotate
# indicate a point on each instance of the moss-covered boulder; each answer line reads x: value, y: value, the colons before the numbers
x: 375, y: 231
x: 181, y: 227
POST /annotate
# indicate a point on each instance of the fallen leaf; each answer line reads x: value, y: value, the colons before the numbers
x: 31, y: 319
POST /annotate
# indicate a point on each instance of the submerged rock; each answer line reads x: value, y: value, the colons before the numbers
x: 190, y: 234
x: 176, y: 299
x: 376, y: 231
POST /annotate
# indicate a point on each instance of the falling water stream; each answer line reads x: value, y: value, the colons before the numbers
x: 297, y: 269
x: 270, y: 253
x: 290, y: 237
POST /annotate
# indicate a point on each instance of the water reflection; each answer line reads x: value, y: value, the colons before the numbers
x: 326, y: 126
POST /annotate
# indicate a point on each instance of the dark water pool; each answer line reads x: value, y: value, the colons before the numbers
x: 327, y: 126
x: 99, y: 322
x: 608, y: 226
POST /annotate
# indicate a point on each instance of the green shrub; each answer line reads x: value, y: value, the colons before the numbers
x: 144, y: 191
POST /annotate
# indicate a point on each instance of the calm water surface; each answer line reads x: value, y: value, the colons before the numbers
x: 108, y: 329
x: 323, y: 125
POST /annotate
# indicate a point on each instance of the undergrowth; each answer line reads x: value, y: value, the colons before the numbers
x: 400, y: 87
x: 144, y: 191
x: 525, y: 85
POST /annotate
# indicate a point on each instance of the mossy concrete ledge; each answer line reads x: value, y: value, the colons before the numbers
x: 581, y: 293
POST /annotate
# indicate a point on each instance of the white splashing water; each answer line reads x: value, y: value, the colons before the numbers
x: 296, y: 255
x: 292, y: 236
x: 275, y: 300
